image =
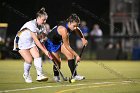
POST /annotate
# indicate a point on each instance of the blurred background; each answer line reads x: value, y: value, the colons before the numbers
x: 112, y: 27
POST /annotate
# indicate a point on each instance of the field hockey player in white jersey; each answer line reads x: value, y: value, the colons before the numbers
x: 27, y: 43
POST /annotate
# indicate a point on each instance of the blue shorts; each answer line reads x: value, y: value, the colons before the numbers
x: 51, y: 47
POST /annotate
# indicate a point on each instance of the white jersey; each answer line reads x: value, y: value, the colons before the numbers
x: 24, y: 39
x: 32, y: 26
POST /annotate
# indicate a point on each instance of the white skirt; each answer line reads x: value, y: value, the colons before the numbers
x: 23, y: 41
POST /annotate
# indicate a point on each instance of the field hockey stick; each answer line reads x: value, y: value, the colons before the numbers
x: 54, y: 59
x: 56, y: 66
x: 77, y: 63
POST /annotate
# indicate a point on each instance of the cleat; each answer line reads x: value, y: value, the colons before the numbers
x: 56, y: 79
x: 41, y: 78
x: 27, y: 78
x: 78, y: 77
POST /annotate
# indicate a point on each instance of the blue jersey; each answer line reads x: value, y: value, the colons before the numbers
x: 54, y: 41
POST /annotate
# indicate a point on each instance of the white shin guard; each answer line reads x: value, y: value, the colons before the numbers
x: 38, y: 65
x: 27, y: 67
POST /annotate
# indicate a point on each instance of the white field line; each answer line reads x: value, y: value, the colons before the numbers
x: 68, y: 85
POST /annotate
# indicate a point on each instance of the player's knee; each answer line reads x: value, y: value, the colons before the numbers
x: 29, y: 60
x: 70, y: 56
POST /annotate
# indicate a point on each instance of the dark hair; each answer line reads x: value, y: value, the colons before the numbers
x: 73, y: 17
x: 41, y: 12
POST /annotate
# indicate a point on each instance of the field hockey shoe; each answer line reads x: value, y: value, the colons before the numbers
x: 56, y: 79
x: 41, y: 78
x: 78, y: 77
x: 27, y: 78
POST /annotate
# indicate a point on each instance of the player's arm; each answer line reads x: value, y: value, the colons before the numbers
x: 80, y: 34
x: 65, y: 38
x: 38, y: 43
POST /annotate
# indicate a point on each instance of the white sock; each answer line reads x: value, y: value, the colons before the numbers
x: 38, y: 65
x: 27, y: 67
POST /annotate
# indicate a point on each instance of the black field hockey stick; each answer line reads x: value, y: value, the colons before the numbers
x: 54, y: 60
x: 77, y: 64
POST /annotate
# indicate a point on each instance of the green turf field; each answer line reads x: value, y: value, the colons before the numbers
x: 101, y: 77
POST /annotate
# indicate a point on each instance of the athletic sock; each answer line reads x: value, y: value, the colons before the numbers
x: 56, y: 73
x: 38, y: 65
x: 71, y: 64
x: 27, y: 67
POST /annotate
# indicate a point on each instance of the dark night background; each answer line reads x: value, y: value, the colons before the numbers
x: 57, y: 10
x: 91, y: 11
